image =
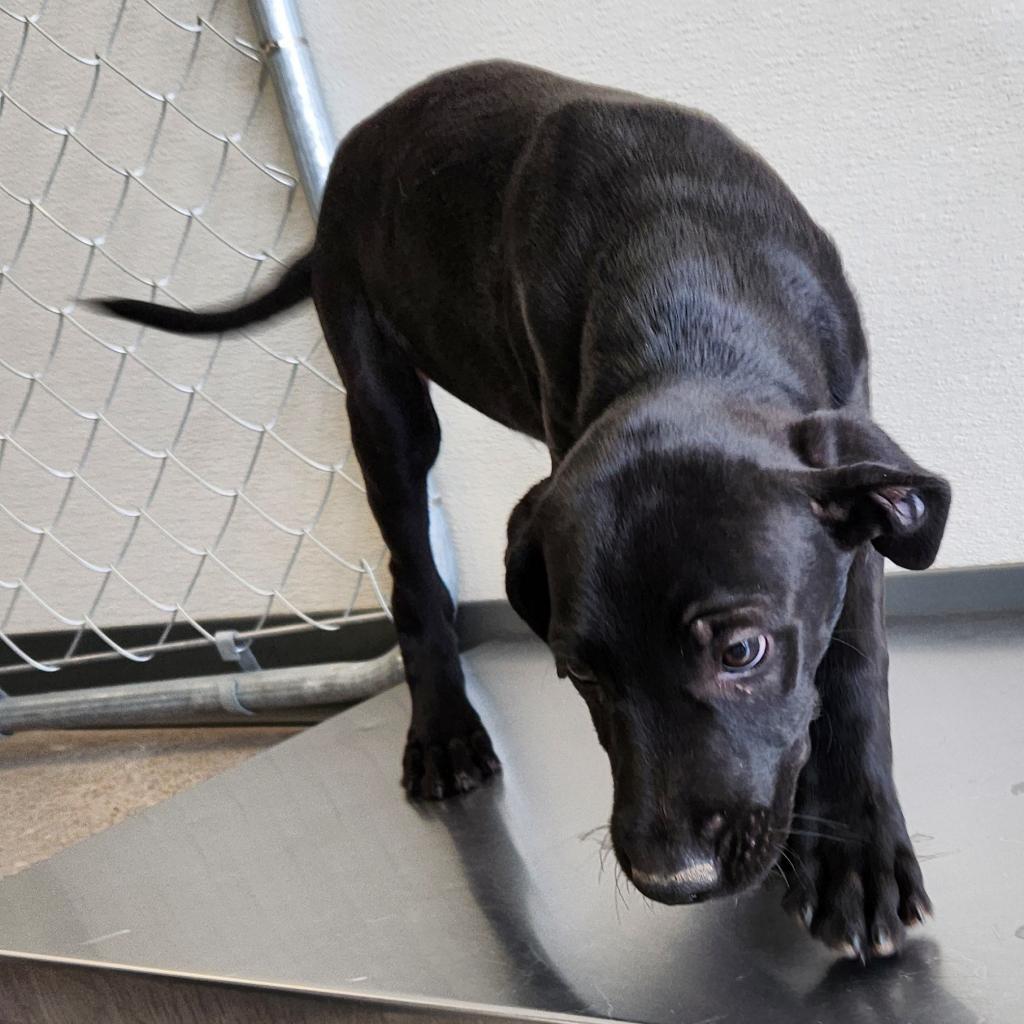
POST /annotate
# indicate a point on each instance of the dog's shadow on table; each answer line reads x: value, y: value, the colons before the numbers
x: 501, y: 885
x: 895, y: 989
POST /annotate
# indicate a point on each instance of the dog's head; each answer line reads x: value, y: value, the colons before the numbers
x: 689, y: 590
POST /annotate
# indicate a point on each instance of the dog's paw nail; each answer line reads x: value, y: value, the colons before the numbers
x: 920, y: 910
x: 464, y: 782
x: 853, y: 949
x: 882, y: 943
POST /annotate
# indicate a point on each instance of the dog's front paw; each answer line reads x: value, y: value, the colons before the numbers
x: 854, y: 881
x: 447, y: 758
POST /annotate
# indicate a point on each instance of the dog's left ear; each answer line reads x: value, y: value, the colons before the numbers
x: 526, y: 577
x: 864, y: 487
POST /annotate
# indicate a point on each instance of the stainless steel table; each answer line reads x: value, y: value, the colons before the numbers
x: 305, y: 874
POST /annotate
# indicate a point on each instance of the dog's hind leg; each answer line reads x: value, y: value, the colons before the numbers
x: 854, y: 879
x: 396, y: 437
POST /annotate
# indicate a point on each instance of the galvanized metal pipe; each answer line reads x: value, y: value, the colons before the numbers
x: 227, y: 697
x: 286, y: 49
x: 286, y: 52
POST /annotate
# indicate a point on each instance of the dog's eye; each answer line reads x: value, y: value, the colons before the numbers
x: 745, y: 654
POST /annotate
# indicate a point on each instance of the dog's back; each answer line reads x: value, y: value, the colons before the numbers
x: 495, y: 209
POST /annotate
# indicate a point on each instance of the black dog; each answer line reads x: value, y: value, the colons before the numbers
x: 621, y: 278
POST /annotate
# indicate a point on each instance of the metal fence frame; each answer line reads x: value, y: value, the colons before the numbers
x: 288, y: 56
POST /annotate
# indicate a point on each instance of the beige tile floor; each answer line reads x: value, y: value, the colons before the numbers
x: 59, y: 787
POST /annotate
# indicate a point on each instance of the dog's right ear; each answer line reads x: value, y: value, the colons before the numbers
x: 526, y: 577
x: 864, y: 487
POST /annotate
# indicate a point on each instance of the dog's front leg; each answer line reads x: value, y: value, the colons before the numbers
x: 853, y: 877
x: 396, y: 437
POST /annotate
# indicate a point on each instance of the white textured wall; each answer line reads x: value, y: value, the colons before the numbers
x: 899, y: 125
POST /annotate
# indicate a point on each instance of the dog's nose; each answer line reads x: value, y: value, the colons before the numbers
x: 693, y: 879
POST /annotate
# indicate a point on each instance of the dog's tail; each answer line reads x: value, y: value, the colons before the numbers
x: 293, y: 286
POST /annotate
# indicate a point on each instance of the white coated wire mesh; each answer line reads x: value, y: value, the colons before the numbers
x: 147, y: 479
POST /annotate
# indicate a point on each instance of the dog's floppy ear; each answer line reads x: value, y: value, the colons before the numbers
x: 864, y: 487
x: 526, y: 577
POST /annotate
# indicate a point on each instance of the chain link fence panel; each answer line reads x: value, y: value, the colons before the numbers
x: 152, y: 480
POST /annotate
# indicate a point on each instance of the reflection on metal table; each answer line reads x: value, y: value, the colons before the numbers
x: 306, y: 874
